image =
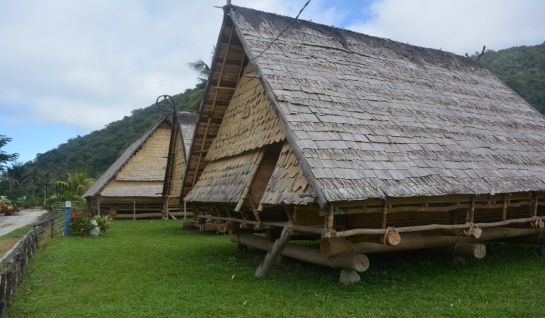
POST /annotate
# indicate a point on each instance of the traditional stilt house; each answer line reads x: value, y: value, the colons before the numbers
x: 366, y: 144
x: 145, y: 181
x: 132, y: 186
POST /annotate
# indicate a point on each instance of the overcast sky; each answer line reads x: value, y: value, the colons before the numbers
x: 68, y: 67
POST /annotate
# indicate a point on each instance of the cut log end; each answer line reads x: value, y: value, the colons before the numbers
x: 392, y: 238
x: 357, y: 262
x: 474, y: 250
x: 473, y: 232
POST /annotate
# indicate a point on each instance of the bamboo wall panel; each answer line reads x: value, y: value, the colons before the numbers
x: 133, y: 189
x: 150, y: 161
x: 248, y: 123
x: 179, y: 167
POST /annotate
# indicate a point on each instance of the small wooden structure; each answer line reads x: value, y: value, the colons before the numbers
x: 145, y: 181
x: 366, y: 144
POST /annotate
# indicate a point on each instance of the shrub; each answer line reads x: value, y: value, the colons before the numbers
x: 80, y: 225
x: 104, y: 222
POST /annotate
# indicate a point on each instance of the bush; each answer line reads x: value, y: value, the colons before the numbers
x: 80, y: 225
x: 104, y: 222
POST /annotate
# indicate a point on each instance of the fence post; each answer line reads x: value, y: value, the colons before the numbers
x: 67, y: 212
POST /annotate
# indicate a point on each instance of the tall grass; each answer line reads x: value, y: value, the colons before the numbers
x: 153, y: 269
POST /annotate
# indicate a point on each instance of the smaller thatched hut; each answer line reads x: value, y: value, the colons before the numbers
x: 132, y: 186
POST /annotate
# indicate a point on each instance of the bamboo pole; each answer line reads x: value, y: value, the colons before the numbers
x: 430, y: 227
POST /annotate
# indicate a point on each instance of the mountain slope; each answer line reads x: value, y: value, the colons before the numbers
x: 523, y: 69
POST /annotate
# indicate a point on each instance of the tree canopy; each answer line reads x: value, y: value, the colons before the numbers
x: 522, y: 68
x: 5, y: 157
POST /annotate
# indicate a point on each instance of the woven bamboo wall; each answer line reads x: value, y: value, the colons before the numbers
x: 179, y: 167
x: 149, y: 163
x: 249, y: 121
x: 117, y: 188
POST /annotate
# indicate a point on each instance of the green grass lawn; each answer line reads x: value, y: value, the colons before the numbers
x: 154, y: 269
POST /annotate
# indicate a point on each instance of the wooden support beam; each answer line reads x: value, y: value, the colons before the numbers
x: 419, y: 228
x: 336, y: 246
x: 275, y: 251
x: 349, y: 261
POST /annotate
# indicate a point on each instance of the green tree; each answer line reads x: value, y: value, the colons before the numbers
x: 204, y: 71
x: 76, y: 183
x: 5, y: 157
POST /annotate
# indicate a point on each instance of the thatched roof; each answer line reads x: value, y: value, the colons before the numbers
x: 372, y: 118
x: 143, y: 177
x: 187, y: 121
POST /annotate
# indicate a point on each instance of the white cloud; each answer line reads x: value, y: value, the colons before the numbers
x: 83, y: 64
x: 461, y: 26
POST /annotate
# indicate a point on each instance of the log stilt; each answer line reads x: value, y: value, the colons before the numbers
x: 275, y: 251
x: 334, y: 246
x: 415, y: 241
x: 476, y: 250
x: 466, y: 250
x: 351, y: 261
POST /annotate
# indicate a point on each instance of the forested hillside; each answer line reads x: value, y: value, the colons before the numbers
x: 523, y: 69
x: 95, y: 152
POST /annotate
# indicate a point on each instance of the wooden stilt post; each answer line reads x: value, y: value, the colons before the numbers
x: 275, y: 251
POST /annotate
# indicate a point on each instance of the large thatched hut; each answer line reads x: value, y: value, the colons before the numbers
x: 367, y: 144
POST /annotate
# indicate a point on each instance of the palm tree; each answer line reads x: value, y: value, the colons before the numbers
x: 76, y: 183
x: 17, y: 175
x: 203, y: 70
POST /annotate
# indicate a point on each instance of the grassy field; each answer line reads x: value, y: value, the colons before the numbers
x: 154, y: 269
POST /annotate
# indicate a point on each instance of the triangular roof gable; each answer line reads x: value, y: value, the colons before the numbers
x: 112, y: 171
x: 372, y: 118
x: 183, y: 131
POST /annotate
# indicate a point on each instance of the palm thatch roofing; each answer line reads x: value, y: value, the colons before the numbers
x: 187, y: 121
x: 368, y: 117
x: 136, y: 174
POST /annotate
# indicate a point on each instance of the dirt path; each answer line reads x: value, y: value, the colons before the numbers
x: 13, y: 222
